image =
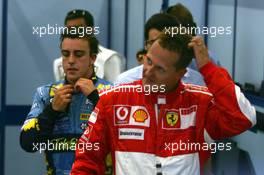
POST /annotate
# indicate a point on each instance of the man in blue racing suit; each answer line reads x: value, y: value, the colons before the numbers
x: 60, y: 111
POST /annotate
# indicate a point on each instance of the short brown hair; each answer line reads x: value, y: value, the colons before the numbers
x: 179, y: 44
x: 93, y: 43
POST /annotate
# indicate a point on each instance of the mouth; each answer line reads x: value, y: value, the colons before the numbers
x: 72, y: 69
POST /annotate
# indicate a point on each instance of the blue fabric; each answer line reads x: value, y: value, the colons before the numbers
x: 68, y: 128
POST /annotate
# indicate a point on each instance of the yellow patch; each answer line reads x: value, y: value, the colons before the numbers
x: 54, y: 88
x: 30, y: 124
x: 84, y: 116
x: 102, y: 86
x: 140, y: 115
x: 172, y: 118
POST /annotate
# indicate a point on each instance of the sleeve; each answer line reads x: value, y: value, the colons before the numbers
x: 94, y: 97
x: 113, y: 67
x: 92, y: 161
x: 230, y: 113
x: 39, y: 123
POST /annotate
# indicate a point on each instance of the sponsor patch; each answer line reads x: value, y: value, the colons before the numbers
x: 181, y: 118
x: 188, y: 116
x: 121, y: 115
x: 139, y: 116
x: 84, y: 116
x: 86, y: 134
x: 131, y: 115
x: 83, y: 125
x: 130, y: 133
x: 54, y: 88
x: 93, y: 116
x: 171, y: 119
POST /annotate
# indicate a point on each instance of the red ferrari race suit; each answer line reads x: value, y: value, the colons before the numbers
x: 163, y: 133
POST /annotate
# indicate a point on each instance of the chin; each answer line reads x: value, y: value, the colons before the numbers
x: 72, y: 78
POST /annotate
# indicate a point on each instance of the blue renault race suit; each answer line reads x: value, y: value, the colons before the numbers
x: 57, y: 132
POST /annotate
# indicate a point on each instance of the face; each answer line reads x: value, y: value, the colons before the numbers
x: 76, y: 22
x: 158, y: 68
x: 152, y: 36
x: 77, y: 61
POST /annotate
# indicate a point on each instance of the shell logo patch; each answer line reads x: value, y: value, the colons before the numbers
x: 140, y: 115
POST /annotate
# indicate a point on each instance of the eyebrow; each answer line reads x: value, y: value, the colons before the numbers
x: 158, y: 66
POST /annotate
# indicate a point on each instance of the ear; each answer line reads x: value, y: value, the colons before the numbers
x: 93, y: 58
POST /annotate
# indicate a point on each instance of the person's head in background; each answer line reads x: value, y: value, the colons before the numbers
x: 140, y: 55
x: 155, y: 25
x: 183, y: 15
x: 166, y: 61
x: 79, y: 17
x: 79, y: 54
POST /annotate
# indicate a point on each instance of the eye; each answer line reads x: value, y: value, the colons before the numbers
x: 65, y: 53
x: 79, y: 53
x: 149, y: 61
x: 161, y: 70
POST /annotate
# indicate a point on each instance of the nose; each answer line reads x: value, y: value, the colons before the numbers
x: 71, y: 59
x: 149, y: 71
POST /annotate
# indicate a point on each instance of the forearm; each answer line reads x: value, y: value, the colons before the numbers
x: 38, y: 129
x: 231, y: 113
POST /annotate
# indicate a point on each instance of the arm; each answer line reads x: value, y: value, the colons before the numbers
x: 39, y: 123
x: 229, y: 113
x: 93, y: 161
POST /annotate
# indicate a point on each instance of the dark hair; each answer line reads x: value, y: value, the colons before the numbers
x: 179, y: 44
x: 183, y: 15
x: 90, y: 38
x: 159, y: 21
x: 141, y: 52
x: 78, y: 13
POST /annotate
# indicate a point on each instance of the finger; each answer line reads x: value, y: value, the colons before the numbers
x: 66, y: 101
x: 66, y: 91
x: 68, y: 96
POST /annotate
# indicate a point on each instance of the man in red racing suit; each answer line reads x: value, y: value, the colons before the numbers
x: 150, y: 132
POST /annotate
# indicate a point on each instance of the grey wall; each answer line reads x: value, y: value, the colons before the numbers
x: 197, y: 8
x: 118, y: 26
x: 25, y: 163
x: 253, y: 144
x: 249, y: 60
x: 250, y: 42
x: 29, y: 57
x: 221, y: 14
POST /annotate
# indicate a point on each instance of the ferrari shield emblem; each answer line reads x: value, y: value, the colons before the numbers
x: 172, y: 118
